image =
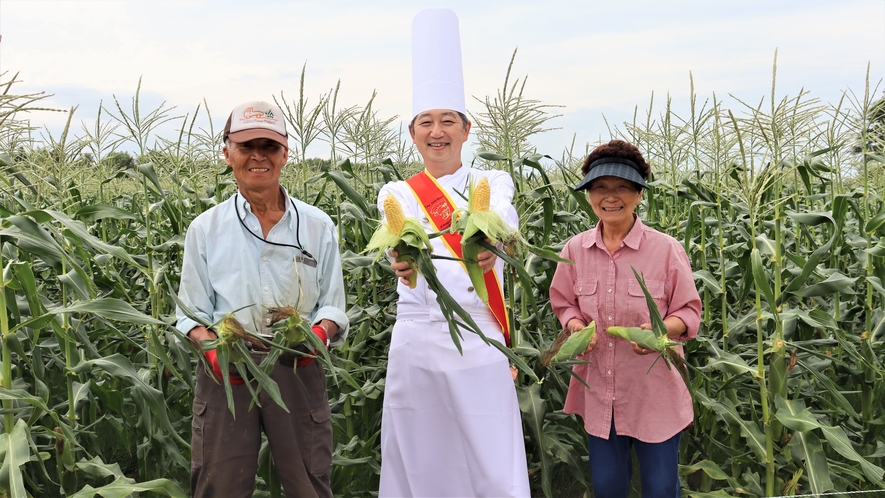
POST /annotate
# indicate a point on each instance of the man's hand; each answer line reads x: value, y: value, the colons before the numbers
x: 212, y: 358
x: 400, y: 268
x: 325, y: 330
x: 201, y: 333
x: 486, y: 260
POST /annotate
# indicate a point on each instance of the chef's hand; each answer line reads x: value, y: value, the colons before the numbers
x: 401, y: 268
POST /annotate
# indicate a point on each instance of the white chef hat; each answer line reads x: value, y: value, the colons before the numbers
x: 437, y: 77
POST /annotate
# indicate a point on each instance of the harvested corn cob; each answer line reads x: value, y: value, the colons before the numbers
x: 405, y: 235
x: 288, y: 321
x: 479, y: 224
x: 644, y: 338
x: 568, y: 346
x: 229, y: 334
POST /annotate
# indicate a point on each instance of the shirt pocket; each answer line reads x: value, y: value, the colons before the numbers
x: 637, y: 306
x: 300, y: 286
x: 588, y: 298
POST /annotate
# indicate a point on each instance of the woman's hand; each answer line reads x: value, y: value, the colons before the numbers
x: 675, y: 328
x: 401, y: 268
x: 639, y: 349
x: 575, y: 325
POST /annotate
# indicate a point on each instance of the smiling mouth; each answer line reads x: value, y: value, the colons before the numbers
x: 437, y: 144
x: 259, y: 170
x: 610, y: 210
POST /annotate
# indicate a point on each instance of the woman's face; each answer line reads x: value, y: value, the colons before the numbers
x: 614, y: 199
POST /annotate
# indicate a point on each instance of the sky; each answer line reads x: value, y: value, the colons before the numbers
x: 601, y: 61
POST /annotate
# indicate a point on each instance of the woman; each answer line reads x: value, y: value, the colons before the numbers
x: 629, y: 403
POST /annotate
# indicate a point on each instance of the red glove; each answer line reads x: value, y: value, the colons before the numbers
x: 212, y: 356
x: 304, y: 361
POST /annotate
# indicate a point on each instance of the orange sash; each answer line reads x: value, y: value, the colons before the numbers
x: 438, y: 208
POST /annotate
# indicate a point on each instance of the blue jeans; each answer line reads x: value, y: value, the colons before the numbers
x: 611, y: 466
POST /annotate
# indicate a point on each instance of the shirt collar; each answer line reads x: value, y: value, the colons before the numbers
x: 632, y: 240
x: 457, y: 179
x: 244, y: 208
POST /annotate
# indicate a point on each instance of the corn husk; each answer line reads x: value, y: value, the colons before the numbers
x: 644, y: 338
x: 477, y: 224
x: 568, y: 346
x: 287, y: 320
x: 403, y: 234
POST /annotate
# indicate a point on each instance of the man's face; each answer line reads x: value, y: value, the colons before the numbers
x: 257, y: 164
x: 439, y: 135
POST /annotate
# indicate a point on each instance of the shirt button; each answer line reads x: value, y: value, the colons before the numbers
x: 611, y: 344
x: 609, y: 318
x: 609, y: 291
x: 580, y: 289
x: 264, y: 258
x: 470, y: 289
x: 267, y: 288
x: 609, y: 372
x: 267, y: 321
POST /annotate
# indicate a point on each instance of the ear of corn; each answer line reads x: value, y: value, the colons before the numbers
x: 644, y: 338
x: 574, y: 345
x: 481, y: 196
x: 288, y: 321
x: 403, y: 234
x: 396, y: 219
x: 478, y: 224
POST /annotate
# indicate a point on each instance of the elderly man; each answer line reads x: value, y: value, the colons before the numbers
x: 451, y: 424
x: 261, y: 248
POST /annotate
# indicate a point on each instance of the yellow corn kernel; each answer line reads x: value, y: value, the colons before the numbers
x: 482, y: 194
x: 396, y: 219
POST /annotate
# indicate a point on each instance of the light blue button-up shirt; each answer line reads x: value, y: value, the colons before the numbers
x: 226, y: 268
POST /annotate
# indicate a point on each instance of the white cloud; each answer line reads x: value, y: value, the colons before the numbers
x: 590, y: 57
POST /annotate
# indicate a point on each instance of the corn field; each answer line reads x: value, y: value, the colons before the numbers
x: 779, y: 204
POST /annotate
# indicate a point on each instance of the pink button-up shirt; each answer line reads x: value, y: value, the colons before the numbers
x: 649, y: 405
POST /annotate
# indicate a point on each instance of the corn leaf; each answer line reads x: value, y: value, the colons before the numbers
x: 120, y: 366
x: 110, y: 308
x: 123, y: 487
x: 16, y: 452
x: 807, y: 446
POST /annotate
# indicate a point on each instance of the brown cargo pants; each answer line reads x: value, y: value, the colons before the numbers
x: 224, y: 451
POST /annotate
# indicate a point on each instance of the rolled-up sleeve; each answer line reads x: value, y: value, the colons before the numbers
x: 685, y: 302
x: 501, y: 198
x: 562, y: 291
x: 195, y: 289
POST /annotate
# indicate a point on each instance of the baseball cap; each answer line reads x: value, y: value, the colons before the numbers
x: 256, y: 119
x: 612, y: 166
